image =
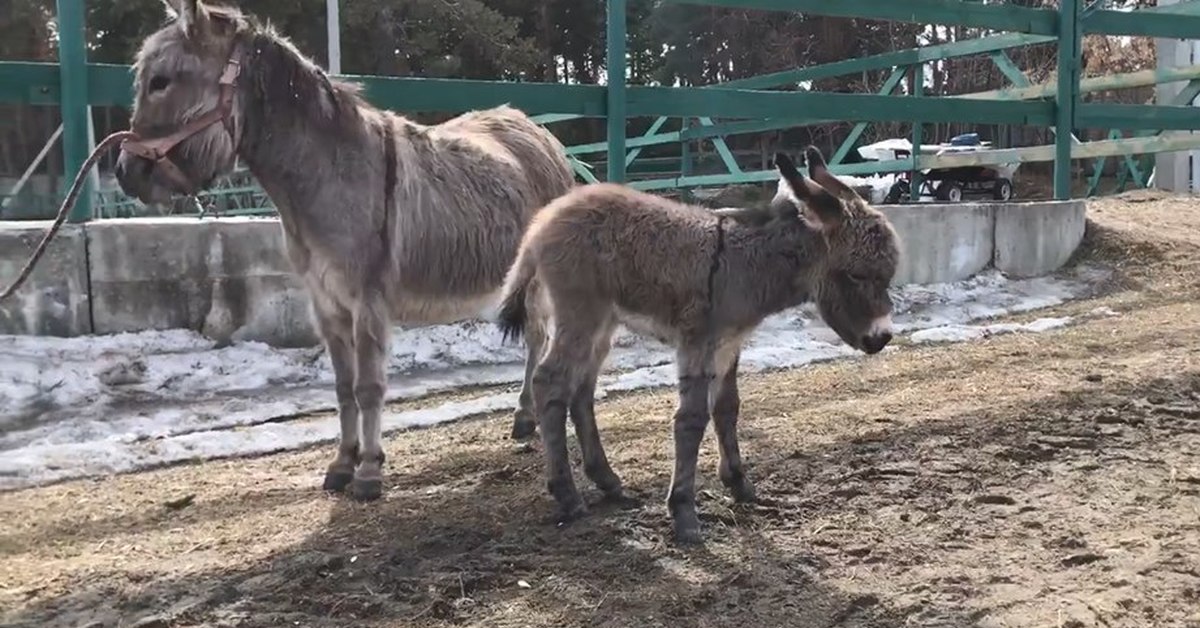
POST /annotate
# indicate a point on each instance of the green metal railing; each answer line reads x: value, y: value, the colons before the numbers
x: 749, y: 105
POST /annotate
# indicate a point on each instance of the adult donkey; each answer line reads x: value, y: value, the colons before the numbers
x: 385, y: 219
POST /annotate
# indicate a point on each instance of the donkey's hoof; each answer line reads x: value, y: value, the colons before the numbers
x: 743, y: 492
x: 366, y: 490
x: 522, y: 430
x: 688, y: 534
x: 571, y: 513
x: 337, y: 481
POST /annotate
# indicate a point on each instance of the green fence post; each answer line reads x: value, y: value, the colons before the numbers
x: 72, y: 76
x: 685, y: 159
x: 1069, y: 61
x: 918, y: 89
x: 615, y: 68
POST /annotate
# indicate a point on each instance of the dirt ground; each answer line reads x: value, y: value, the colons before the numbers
x: 1025, y: 480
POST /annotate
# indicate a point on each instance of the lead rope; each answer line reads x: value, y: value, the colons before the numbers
x: 67, y: 205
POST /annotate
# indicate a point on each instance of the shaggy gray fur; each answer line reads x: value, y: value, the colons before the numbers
x: 700, y: 281
x: 385, y: 219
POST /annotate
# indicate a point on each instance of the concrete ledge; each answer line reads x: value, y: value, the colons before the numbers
x: 942, y: 243
x: 228, y: 278
x: 1037, y: 238
x: 54, y: 300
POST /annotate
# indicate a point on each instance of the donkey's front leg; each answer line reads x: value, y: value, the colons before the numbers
x: 725, y: 408
x: 372, y: 333
x: 337, y: 330
x: 691, y: 419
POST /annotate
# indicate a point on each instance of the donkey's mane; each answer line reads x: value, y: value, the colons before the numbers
x: 279, y: 72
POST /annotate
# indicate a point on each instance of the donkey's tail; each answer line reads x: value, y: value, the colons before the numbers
x: 513, y: 311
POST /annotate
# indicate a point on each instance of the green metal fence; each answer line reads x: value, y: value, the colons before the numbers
x: 712, y: 113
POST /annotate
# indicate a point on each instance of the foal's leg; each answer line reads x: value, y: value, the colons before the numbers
x: 337, y: 330
x: 525, y: 419
x: 583, y: 415
x: 372, y: 332
x: 691, y: 418
x: 725, y: 404
x: 553, y: 382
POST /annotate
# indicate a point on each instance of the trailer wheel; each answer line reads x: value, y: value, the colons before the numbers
x: 1002, y: 190
x: 949, y: 191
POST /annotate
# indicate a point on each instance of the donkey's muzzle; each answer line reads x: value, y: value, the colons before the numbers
x: 874, y: 343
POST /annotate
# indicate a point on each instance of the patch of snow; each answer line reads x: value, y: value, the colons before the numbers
x: 962, y: 333
x: 76, y: 407
x: 880, y: 184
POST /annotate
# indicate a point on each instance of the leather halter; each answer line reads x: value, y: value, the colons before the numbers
x: 157, y: 149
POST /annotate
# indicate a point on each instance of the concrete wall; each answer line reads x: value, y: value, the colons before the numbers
x: 54, y: 300
x: 943, y: 242
x: 229, y: 277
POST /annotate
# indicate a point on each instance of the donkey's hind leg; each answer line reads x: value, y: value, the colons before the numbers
x: 583, y: 415
x: 372, y: 333
x: 337, y: 330
x: 554, y: 381
x: 525, y: 419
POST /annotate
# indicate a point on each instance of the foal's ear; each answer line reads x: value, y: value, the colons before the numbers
x: 826, y: 207
x: 821, y: 174
x: 189, y: 14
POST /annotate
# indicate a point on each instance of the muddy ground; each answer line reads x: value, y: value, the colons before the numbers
x: 1045, y: 479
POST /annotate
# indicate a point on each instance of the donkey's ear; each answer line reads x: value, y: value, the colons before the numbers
x: 826, y: 207
x: 190, y: 15
x: 800, y: 185
x: 820, y: 173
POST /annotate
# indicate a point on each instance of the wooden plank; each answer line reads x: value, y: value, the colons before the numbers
x: 73, y: 86
x: 731, y: 103
x: 888, y: 87
x: 1088, y: 150
x: 1170, y: 25
x: 884, y: 60
x: 615, y: 90
x: 1069, y: 64
x: 1106, y: 115
x: 949, y: 12
x: 1165, y: 143
x: 1140, y: 78
x: 726, y: 156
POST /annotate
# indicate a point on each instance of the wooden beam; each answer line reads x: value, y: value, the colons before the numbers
x: 1165, y: 143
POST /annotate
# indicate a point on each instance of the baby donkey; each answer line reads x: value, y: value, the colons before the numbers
x: 700, y: 281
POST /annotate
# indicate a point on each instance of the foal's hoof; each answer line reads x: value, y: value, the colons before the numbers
x: 623, y: 501
x: 366, y: 490
x: 522, y: 430
x: 337, y: 481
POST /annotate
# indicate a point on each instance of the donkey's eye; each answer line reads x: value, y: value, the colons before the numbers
x: 159, y: 83
x: 859, y: 277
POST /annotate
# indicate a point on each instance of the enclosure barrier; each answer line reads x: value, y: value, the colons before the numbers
x: 748, y: 105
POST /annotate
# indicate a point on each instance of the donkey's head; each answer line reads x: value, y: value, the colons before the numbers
x: 862, y: 252
x: 184, y: 113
